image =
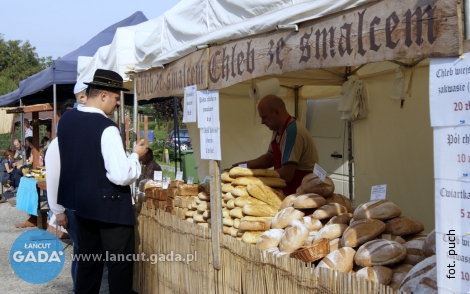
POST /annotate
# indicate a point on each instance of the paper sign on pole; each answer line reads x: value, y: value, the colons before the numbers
x: 210, y: 143
x: 453, y: 147
x: 319, y: 172
x: 189, y: 106
x: 208, y: 109
x: 157, y: 175
x: 378, y: 192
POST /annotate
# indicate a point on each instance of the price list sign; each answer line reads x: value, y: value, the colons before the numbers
x: 210, y: 143
x: 189, y: 106
x: 208, y: 109
x: 449, y: 94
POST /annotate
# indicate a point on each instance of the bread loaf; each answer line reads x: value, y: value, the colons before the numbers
x: 422, y: 278
x: 414, y: 252
x: 236, y: 223
x: 341, y: 199
x: 288, y: 201
x: 379, y: 252
x: 310, y: 200
x: 265, y: 194
x: 404, y: 225
x: 251, y: 237
x: 255, y: 225
x: 234, y: 232
x: 331, y: 231
x: 189, y: 219
x: 284, y: 217
x: 227, y: 221
x: 236, y: 212
x: 259, y: 210
x: 227, y: 187
x: 203, y: 206
x: 339, y: 260
x: 206, y: 214
x: 270, y: 239
x: 198, y: 217
x: 226, y: 177
x: 225, y: 212
x: 429, y: 245
x: 228, y: 196
x: 328, y: 211
x: 189, y: 213
x: 379, y: 274
x: 236, y: 172
x: 197, y: 201
x: 226, y: 230
x: 335, y: 244
x: 378, y: 209
x: 242, y: 201
x: 187, y: 190
x: 203, y: 196
x: 312, y: 224
x: 392, y: 238
x: 294, y: 237
x: 231, y: 204
x: 362, y: 231
x: 312, y: 184
x: 240, y: 191
x: 342, y: 218
x: 271, y: 182
x: 256, y: 218
x: 399, y: 273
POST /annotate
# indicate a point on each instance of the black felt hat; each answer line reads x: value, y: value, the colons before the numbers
x: 107, y: 79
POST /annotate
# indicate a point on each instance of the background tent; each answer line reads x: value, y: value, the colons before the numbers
x: 38, y: 88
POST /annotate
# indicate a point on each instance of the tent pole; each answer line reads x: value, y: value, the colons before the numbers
x: 122, y: 120
x: 54, y: 116
x: 134, y: 120
x: 177, y: 135
x: 22, y: 134
x: 350, y: 163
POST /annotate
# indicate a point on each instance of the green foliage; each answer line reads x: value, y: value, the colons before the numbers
x: 18, y: 60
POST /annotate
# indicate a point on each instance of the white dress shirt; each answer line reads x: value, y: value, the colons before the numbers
x: 120, y: 169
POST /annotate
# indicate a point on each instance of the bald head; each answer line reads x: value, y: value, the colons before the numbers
x: 272, y: 112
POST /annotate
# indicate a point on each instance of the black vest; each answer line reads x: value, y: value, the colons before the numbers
x: 83, y: 185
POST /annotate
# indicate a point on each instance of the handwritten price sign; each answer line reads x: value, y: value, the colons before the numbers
x: 208, y: 109
x: 189, y: 106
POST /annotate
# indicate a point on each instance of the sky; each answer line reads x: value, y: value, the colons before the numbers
x: 57, y: 27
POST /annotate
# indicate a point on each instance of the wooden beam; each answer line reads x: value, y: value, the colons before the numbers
x: 35, y: 139
x: 216, y: 211
x: 31, y: 108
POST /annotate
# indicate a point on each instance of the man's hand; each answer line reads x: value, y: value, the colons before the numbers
x: 61, y: 220
x: 238, y: 163
x: 140, y: 148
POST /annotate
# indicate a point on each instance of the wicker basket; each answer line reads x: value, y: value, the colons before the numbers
x: 313, y: 252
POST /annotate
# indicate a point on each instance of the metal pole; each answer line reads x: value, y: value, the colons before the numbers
x: 123, y: 122
x: 350, y: 163
x: 54, y: 115
x: 22, y: 134
x: 467, y: 20
x: 177, y: 134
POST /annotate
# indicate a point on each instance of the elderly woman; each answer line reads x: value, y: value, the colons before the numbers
x: 9, y: 173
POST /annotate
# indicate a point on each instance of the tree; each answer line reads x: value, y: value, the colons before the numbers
x: 18, y: 60
x: 165, y: 113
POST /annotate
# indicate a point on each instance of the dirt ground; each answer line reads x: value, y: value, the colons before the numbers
x: 9, y: 281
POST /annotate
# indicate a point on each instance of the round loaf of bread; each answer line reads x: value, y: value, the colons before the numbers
x: 227, y: 221
x: 203, y: 196
x: 236, y: 223
x: 206, y: 214
x: 227, y: 187
x: 231, y: 204
x: 226, y: 177
x: 341, y: 199
x: 414, y: 252
x: 335, y: 244
x: 284, y: 217
x: 328, y: 211
x: 340, y: 260
x: 392, y: 238
x: 379, y: 274
x: 422, y: 278
x: 312, y: 184
x: 429, y: 245
x: 310, y: 200
x: 288, y: 201
x: 378, y: 209
x: 403, y: 225
x: 239, y: 191
x: 270, y: 239
x: 362, y: 231
x: 342, y: 218
x: 399, y: 273
x: 331, y: 231
x: 226, y: 230
x: 225, y: 212
x: 312, y: 224
x: 294, y: 237
x: 228, y: 196
x: 379, y: 252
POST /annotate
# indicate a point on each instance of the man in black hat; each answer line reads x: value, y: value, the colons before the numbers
x: 95, y: 175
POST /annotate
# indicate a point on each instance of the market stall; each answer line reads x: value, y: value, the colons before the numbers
x: 392, y: 145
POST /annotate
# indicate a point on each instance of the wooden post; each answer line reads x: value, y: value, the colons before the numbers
x: 35, y: 124
x: 216, y: 211
x: 127, y: 132
x: 146, y: 138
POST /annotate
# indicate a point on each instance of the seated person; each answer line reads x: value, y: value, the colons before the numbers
x: 19, y: 151
x: 28, y: 143
x: 150, y: 165
x: 9, y: 172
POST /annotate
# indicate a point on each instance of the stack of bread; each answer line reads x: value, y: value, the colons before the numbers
x: 373, y: 241
x: 199, y: 211
x: 250, y: 199
x: 152, y: 190
x: 180, y: 202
